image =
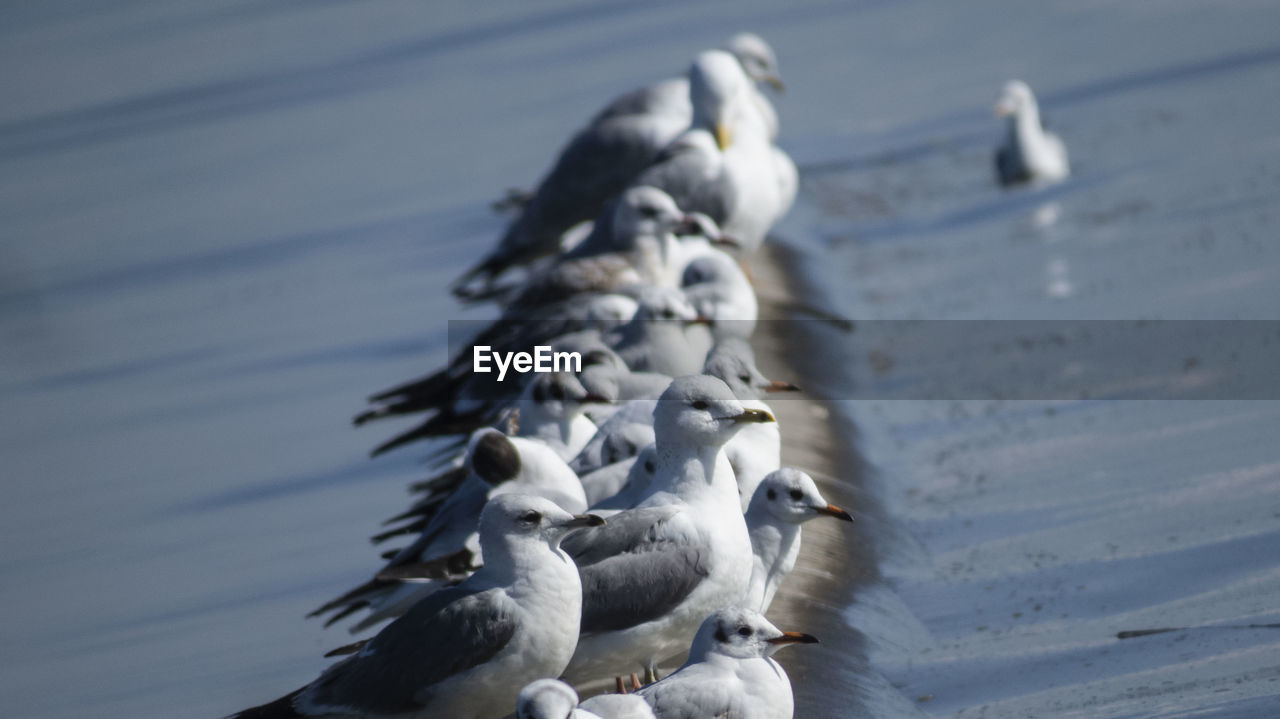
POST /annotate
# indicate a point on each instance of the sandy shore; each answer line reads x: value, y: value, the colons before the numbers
x: 837, y: 561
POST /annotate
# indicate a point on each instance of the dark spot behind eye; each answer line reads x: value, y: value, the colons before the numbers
x: 648, y: 467
x: 557, y: 392
x: 495, y: 459
x: 721, y: 636
x: 744, y: 631
x: 699, y: 404
x: 796, y: 494
x: 773, y: 494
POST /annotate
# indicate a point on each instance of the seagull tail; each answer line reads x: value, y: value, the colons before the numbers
x: 281, y: 708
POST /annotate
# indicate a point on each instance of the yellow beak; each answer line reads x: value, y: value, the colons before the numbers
x: 724, y: 137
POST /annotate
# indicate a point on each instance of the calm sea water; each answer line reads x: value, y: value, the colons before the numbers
x: 225, y: 223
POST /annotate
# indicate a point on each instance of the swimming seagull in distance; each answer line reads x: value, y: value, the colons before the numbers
x: 465, y: 651
x: 1029, y: 153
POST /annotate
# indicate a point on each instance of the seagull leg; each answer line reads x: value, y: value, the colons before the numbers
x: 619, y: 686
x: 635, y: 681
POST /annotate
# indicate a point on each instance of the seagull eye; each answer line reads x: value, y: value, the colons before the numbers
x: 744, y: 631
x: 744, y: 377
x: 797, y: 495
x: 773, y: 494
x: 699, y: 404
x: 649, y: 212
x: 557, y: 392
x: 531, y: 517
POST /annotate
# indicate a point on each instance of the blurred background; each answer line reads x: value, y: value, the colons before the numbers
x: 223, y: 224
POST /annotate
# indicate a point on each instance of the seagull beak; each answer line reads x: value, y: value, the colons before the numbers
x: 1003, y: 108
x: 688, y: 225
x: 724, y: 137
x: 726, y: 241
x: 595, y: 399
x: 757, y: 416
x: 700, y: 320
x: 793, y: 638
x: 832, y: 510
x: 776, y: 83
x: 780, y: 386
x: 584, y: 520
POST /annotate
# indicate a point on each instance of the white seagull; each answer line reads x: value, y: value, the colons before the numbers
x: 784, y: 500
x: 1029, y: 153
x: 464, y: 651
x: 730, y: 672
x: 681, y: 553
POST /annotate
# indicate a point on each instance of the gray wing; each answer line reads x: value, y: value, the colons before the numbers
x: 444, y: 635
x: 624, y: 532
x: 640, y: 585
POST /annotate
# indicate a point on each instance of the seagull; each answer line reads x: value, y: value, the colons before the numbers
x: 631, y: 249
x: 724, y: 165
x: 784, y: 500
x: 553, y: 699
x: 603, y: 158
x: 682, y: 552
x: 758, y: 60
x: 551, y: 407
x: 449, y: 547
x: 667, y: 335
x: 463, y: 651
x: 1029, y: 153
x: 730, y: 672
x: 756, y: 450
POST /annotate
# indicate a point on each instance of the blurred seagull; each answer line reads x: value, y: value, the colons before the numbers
x: 1029, y: 153
x: 605, y: 157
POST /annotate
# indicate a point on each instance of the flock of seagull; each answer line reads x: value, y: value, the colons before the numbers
x: 586, y: 527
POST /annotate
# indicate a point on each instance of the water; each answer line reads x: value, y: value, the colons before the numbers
x: 1036, y: 530
x: 224, y: 224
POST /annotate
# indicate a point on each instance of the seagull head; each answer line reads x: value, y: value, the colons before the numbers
x: 757, y: 59
x: 790, y: 496
x: 561, y: 394
x: 511, y: 519
x: 1015, y: 98
x: 733, y: 361
x: 646, y: 212
x: 702, y: 410
x: 546, y: 699
x: 741, y: 633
